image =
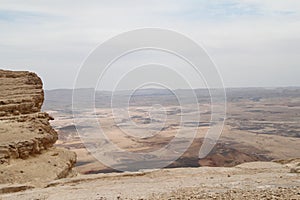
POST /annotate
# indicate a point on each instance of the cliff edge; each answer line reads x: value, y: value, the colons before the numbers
x: 27, y: 154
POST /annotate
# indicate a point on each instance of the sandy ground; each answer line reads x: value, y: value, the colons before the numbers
x: 256, y: 180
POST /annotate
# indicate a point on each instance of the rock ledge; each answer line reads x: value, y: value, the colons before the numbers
x: 27, y: 154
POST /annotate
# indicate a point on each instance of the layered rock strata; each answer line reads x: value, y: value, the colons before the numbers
x: 27, y: 154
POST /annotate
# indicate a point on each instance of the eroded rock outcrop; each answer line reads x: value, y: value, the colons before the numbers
x: 27, y: 154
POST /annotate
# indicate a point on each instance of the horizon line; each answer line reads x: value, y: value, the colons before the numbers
x: 213, y: 88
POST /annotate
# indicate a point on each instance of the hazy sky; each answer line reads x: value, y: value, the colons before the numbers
x: 253, y: 42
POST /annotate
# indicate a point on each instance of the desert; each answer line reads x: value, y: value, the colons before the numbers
x: 149, y: 100
x: 256, y: 156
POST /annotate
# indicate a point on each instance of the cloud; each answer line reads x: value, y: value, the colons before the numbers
x: 51, y: 36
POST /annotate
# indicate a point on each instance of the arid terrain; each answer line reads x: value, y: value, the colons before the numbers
x: 150, y: 100
x: 256, y: 156
x: 255, y: 180
x: 261, y: 125
x: 27, y: 154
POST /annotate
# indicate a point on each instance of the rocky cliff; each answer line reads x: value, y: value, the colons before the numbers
x: 27, y: 154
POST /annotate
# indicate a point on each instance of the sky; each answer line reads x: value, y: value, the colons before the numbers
x: 254, y: 43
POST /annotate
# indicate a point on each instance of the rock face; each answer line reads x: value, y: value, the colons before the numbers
x: 27, y: 154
